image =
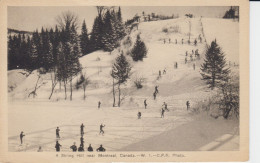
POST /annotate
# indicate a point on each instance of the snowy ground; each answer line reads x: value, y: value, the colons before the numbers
x: 39, y: 117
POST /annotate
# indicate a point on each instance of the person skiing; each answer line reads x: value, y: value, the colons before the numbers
x: 90, y: 149
x: 154, y: 95
x: 81, y: 148
x: 139, y: 114
x: 188, y: 105
x: 169, y: 40
x: 57, y: 133
x: 165, y: 106
x: 57, y: 146
x: 156, y: 89
x: 21, y: 137
x: 181, y: 41
x: 145, y: 104
x: 160, y: 74
x: 186, y: 53
x: 99, y: 104
x: 164, y: 41
x: 101, y: 149
x: 185, y: 60
x: 176, y: 65
x: 40, y: 149
x: 164, y: 71
x: 74, y: 147
x: 194, y: 66
x: 195, y: 42
x: 82, y: 129
x: 176, y: 41
x: 162, y: 113
x: 101, y: 129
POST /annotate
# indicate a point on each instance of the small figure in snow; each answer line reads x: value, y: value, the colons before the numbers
x: 195, y: 42
x: 164, y: 41
x: 192, y: 52
x: 176, y: 65
x: 81, y: 148
x: 57, y: 146
x: 154, y: 95
x: 145, y: 104
x: 139, y: 114
x: 169, y: 40
x: 188, y: 105
x: 194, y: 66
x: 165, y: 106
x: 74, y: 147
x: 21, y: 137
x: 186, y: 53
x: 185, y: 60
x: 160, y: 74
x: 188, y: 41
x: 101, y: 149
x: 156, y: 89
x: 162, y: 113
x: 90, y: 149
x: 176, y: 41
x: 99, y: 104
x: 82, y: 129
x: 57, y: 133
x: 164, y: 71
x: 40, y: 149
x: 101, y: 129
x: 181, y: 41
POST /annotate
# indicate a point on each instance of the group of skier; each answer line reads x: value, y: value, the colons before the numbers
x: 195, y: 42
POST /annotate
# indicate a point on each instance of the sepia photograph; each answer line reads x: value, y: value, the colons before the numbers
x: 122, y: 78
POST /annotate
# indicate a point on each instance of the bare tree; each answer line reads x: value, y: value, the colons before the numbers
x: 54, y: 81
x: 67, y: 18
x: 35, y: 88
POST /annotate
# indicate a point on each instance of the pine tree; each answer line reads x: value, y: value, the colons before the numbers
x: 121, y: 72
x: 120, y: 25
x: 214, y: 69
x: 139, y: 50
x: 84, y: 40
x: 97, y: 30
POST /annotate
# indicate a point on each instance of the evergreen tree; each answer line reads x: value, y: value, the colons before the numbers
x: 120, y: 25
x: 97, y: 30
x: 214, y: 69
x: 84, y: 40
x: 139, y: 50
x: 121, y: 72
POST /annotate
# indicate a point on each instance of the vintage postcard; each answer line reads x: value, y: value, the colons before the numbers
x: 86, y: 81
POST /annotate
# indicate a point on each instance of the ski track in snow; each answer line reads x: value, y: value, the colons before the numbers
x: 39, y: 117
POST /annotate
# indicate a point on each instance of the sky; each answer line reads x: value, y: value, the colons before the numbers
x: 30, y: 18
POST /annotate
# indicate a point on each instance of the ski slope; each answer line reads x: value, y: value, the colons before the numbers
x: 38, y: 117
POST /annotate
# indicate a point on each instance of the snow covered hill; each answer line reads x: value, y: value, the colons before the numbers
x: 38, y: 117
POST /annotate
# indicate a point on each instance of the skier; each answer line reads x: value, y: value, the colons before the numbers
x: 164, y: 71
x: 193, y: 66
x: 145, y: 104
x: 185, y: 60
x: 57, y: 133
x: 188, y: 105
x: 160, y: 74
x: 40, y: 149
x: 101, y: 149
x: 156, y: 89
x: 176, y: 65
x: 74, y: 147
x: 165, y: 106
x: 186, y: 53
x: 90, y: 149
x: 162, y: 113
x: 181, y: 41
x: 101, y: 129
x: 99, y: 104
x: 139, y: 114
x: 82, y: 129
x: 21, y: 137
x: 195, y: 42
x: 57, y: 146
x: 169, y: 40
x: 164, y: 41
x: 176, y: 41
x: 154, y: 95
x: 188, y: 41
x: 81, y: 148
